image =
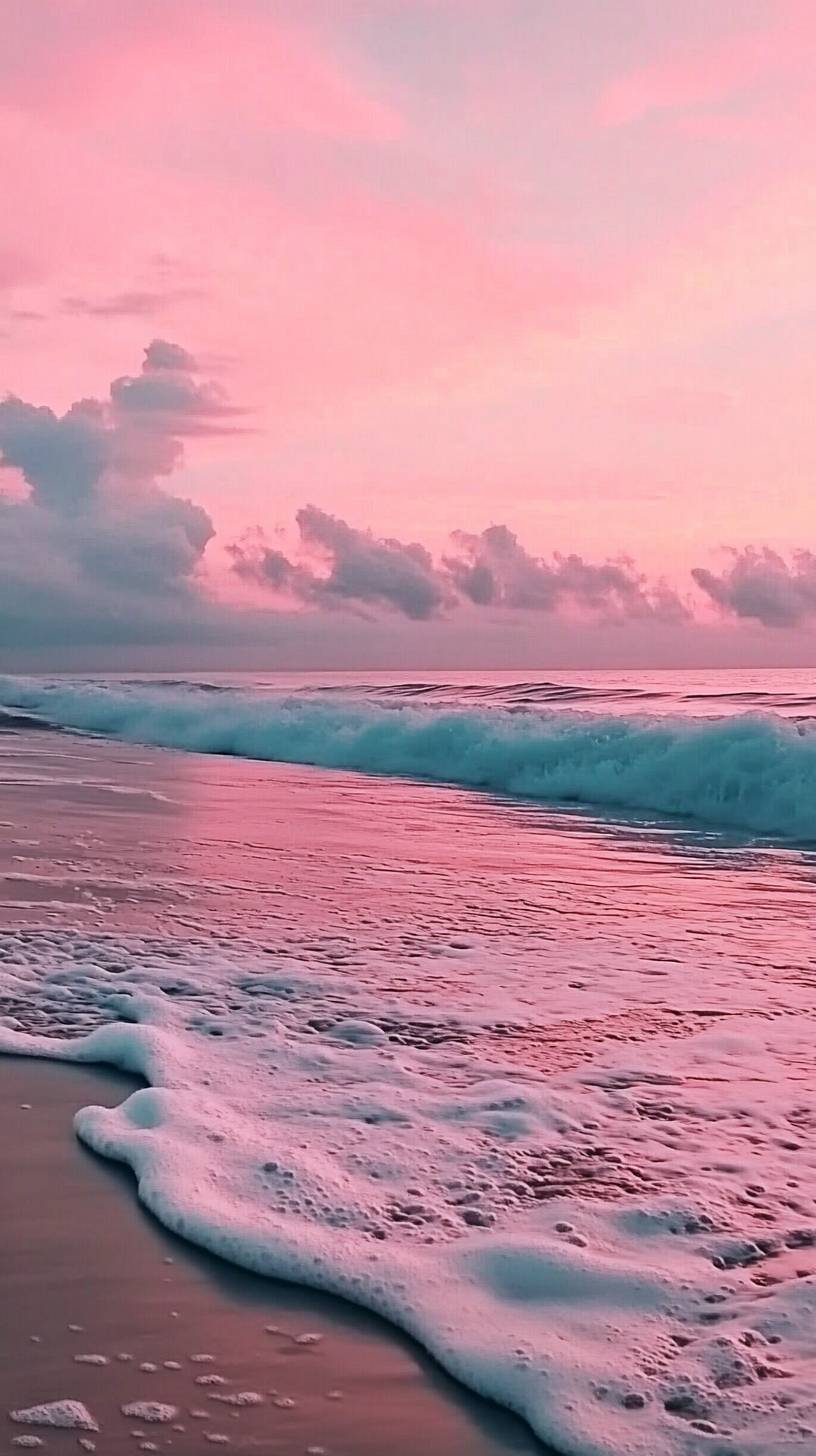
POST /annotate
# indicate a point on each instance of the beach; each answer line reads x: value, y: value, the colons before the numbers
x: 497, y: 1098
x: 78, y: 1250
x: 78, y: 1246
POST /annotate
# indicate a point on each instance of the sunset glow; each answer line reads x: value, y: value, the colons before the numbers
x: 451, y: 266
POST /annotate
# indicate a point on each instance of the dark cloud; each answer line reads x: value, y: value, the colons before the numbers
x: 62, y: 457
x: 160, y: 354
x: 153, y: 547
x: 264, y: 565
x: 761, y: 585
x: 494, y: 569
x: 358, y: 569
x: 366, y: 569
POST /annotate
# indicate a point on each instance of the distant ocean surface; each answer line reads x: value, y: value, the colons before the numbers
x: 487, y: 1004
x: 729, y: 748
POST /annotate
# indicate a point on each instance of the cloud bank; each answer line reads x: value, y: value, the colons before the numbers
x: 96, y: 548
x: 357, y: 569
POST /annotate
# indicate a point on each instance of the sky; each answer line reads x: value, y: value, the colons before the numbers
x: 422, y: 333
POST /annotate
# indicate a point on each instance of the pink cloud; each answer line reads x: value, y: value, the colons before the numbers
x: 447, y: 294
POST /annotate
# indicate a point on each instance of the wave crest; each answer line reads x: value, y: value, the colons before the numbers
x: 753, y: 773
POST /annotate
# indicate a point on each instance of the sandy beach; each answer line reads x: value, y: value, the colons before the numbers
x: 493, y: 1078
x: 79, y: 1250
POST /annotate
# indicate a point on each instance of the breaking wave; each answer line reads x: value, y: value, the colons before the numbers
x: 751, y: 772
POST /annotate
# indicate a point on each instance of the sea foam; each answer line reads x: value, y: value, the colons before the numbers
x: 622, y: 1253
x: 750, y: 772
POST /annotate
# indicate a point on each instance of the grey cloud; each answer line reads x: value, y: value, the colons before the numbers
x: 364, y: 568
x: 491, y: 569
x: 254, y: 561
x: 161, y: 354
x: 494, y: 569
x: 761, y: 585
x: 358, y: 569
x: 154, y: 545
x: 98, y: 540
x: 168, y: 395
x: 61, y: 457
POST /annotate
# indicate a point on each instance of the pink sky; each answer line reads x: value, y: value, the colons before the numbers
x: 543, y: 263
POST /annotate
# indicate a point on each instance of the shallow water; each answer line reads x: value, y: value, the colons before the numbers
x: 534, y: 1084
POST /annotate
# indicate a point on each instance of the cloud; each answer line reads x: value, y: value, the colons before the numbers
x: 358, y: 569
x: 365, y: 568
x: 493, y: 569
x: 166, y: 395
x: 97, y: 545
x: 761, y: 585
x: 136, y: 434
x: 95, y: 549
x: 62, y: 458
x: 265, y: 566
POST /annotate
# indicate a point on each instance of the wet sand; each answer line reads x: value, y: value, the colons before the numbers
x: 78, y: 1249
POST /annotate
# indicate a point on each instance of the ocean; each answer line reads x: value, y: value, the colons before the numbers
x: 485, y: 1004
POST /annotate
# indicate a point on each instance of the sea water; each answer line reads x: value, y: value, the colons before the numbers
x: 487, y: 1005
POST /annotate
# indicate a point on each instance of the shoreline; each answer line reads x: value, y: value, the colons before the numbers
x: 81, y: 1250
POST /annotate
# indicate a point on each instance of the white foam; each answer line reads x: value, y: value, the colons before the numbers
x: 589, y: 1248
x: 150, y: 1410
x: 61, y: 1414
x: 238, y: 1397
